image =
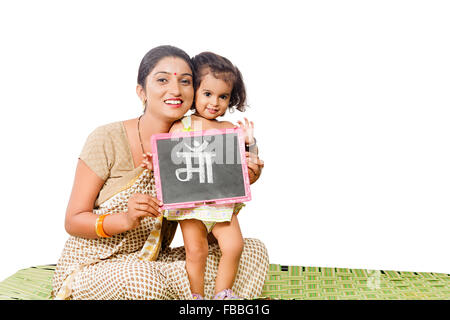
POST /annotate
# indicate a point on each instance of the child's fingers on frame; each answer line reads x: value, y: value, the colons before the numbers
x: 242, y: 124
x: 147, y: 155
x: 145, y: 164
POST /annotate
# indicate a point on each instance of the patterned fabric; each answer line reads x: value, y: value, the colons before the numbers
x: 119, y: 268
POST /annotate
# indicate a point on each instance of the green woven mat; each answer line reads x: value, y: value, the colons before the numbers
x: 33, y: 283
x: 283, y: 282
x: 315, y: 283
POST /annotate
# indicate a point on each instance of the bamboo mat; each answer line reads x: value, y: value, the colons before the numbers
x: 315, y: 283
x: 283, y: 282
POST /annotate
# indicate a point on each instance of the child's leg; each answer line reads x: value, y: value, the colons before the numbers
x: 231, y: 244
x: 196, y: 245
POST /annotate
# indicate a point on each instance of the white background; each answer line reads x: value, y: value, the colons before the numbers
x: 350, y: 101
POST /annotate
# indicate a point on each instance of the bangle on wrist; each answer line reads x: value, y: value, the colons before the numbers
x: 99, y: 226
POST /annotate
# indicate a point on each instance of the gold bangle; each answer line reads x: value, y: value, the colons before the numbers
x: 99, y: 226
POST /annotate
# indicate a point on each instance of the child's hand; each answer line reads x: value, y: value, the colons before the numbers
x: 147, y: 161
x: 254, y: 165
x: 248, y: 131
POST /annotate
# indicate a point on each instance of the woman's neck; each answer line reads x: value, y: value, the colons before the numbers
x: 150, y: 125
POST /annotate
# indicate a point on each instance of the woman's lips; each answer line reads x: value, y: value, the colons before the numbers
x: 173, y: 103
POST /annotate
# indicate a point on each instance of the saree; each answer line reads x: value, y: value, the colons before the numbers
x: 139, y: 264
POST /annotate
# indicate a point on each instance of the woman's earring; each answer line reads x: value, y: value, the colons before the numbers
x: 144, y: 104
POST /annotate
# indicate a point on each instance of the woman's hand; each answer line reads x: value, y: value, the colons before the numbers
x: 255, y: 165
x: 248, y: 129
x: 141, y: 206
x: 147, y: 161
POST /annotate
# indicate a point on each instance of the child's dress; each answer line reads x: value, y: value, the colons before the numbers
x: 208, y: 214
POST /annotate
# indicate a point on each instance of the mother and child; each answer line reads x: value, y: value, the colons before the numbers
x: 113, y: 210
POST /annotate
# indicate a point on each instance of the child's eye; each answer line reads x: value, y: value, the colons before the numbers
x: 224, y: 97
x: 207, y: 94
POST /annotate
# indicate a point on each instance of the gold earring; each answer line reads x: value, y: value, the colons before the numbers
x: 144, y: 104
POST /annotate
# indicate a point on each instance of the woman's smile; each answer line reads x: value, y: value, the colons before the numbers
x: 173, y: 103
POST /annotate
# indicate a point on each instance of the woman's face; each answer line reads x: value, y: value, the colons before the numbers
x: 169, y: 89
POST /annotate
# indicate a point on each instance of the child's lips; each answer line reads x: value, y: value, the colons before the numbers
x: 213, y: 111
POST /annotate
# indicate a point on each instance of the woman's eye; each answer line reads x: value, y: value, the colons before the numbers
x: 162, y: 80
x: 186, y: 81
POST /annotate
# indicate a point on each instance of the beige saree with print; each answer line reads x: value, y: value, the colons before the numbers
x: 139, y: 263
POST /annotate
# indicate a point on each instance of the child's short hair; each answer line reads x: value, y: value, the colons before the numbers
x: 221, y: 68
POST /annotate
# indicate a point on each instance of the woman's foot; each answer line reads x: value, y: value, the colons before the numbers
x: 227, y: 294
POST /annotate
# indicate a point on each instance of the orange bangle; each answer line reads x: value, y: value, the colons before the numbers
x: 99, y: 226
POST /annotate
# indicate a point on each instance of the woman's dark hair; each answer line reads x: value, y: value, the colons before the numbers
x: 221, y: 68
x: 152, y: 57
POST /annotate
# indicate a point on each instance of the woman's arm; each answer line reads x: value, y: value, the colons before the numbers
x: 80, y: 220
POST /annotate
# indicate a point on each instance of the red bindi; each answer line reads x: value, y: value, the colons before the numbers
x: 175, y: 73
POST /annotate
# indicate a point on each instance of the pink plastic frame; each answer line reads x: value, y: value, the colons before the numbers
x: 191, y: 204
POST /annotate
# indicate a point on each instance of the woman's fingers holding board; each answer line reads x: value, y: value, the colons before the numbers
x: 142, y: 205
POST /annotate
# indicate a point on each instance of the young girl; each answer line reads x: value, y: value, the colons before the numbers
x: 218, y: 86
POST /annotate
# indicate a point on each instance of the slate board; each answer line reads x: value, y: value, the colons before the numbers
x: 217, y: 172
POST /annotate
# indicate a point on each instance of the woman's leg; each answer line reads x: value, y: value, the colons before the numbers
x: 231, y: 243
x: 196, y: 246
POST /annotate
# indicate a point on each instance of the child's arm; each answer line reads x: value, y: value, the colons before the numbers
x: 250, y: 141
x: 176, y: 127
x: 254, y: 163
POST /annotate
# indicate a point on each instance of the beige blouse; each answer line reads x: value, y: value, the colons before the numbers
x: 107, y: 152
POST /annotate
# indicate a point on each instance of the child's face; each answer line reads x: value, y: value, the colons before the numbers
x: 212, y: 97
